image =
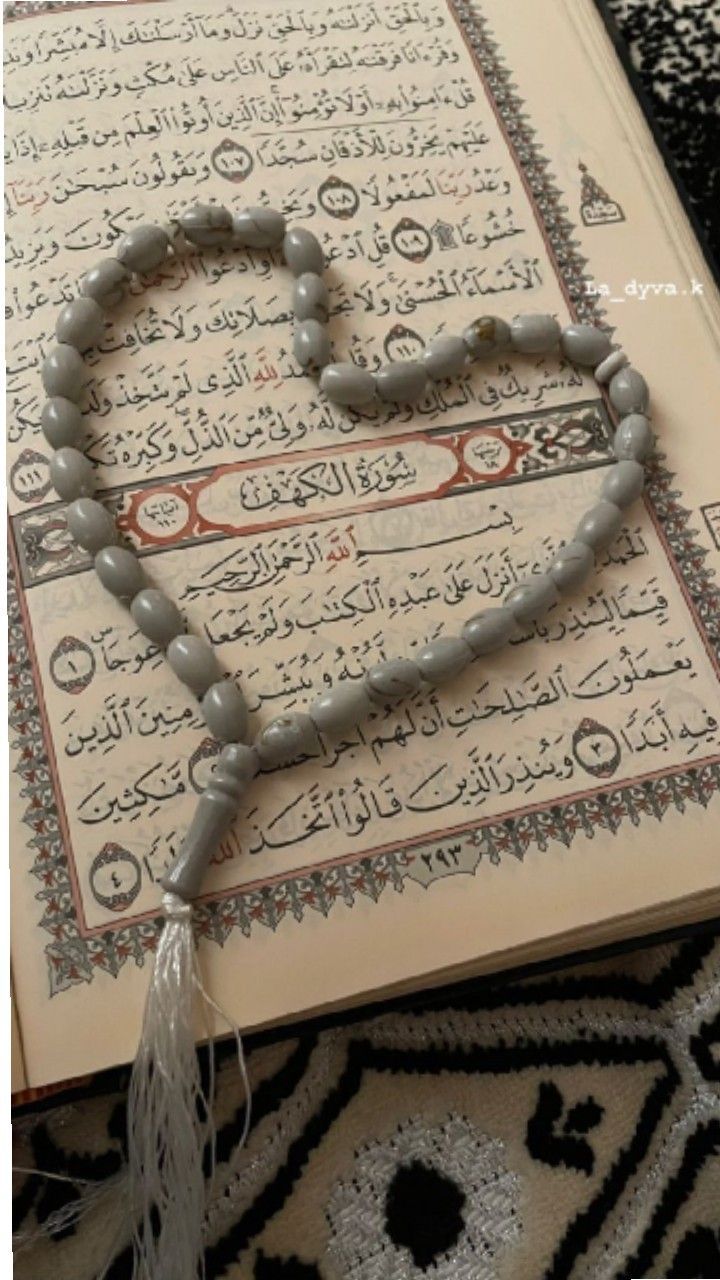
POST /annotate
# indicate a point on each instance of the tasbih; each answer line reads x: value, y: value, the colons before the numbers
x: 167, y: 1127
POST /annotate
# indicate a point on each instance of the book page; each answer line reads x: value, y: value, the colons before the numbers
x: 18, y: 1079
x: 450, y: 170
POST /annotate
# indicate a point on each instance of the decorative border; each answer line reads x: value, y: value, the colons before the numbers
x: 73, y: 958
x: 547, y: 196
x: 554, y: 441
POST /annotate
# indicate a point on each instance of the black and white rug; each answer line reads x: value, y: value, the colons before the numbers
x: 563, y: 1126
x: 673, y: 47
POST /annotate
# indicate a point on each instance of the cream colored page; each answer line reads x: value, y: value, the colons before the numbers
x: 307, y: 544
x: 18, y: 1078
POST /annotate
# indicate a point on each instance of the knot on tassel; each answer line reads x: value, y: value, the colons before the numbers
x: 175, y: 908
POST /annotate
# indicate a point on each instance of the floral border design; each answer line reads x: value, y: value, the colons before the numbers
x: 73, y: 959
x: 544, y: 190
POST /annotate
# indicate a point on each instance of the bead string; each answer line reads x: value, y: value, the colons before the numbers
x: 294, y: 735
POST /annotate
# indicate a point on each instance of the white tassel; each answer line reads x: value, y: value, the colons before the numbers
x: 169, y: 1116
x: 69, y: 1215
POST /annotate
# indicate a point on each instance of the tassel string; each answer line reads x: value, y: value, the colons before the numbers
x: 170, y: 1120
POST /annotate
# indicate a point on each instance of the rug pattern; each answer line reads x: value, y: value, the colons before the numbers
x: 557, y: 1127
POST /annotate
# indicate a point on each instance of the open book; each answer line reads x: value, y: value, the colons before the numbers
x: 455, y: 161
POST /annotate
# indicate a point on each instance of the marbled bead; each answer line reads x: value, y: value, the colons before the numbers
x: 259, y: 227
x: 623, y: 483
x: 143, y: 248
x: 445, y: 356
x: 283, y: 739
x: 391, y: 680
x: 120, y: 572
x: 489, y: 630
x: 342, y: 707
x: 303, y: 252
x: 571, y: 565
x: 225, y: 711
x: 633, y: 438
x: 106, y: 282
x: 61, y: 422
x: 584, y: 344
x: 610, y: 366
x: 443, y: 658
x: 207, y: 225
x: 484, y: 336
x: 600, y: 525
x: 628, y: 391
x: 241, y: 761
x: 71, y: 474
x: 64, y: 372
x: 90, y: 524
x: 531, y: 599
x: 311, y: 344
x: 156, y: 616
x: 80, y: 324
x: 194, y: 661
x: 401, y: 382
x: 347, y: 384
x: 311, y: 300
x: 533, y: 334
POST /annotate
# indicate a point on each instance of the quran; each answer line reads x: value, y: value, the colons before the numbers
x: 453, y: 160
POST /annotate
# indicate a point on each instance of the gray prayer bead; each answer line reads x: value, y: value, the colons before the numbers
x: 311, y: 344
x: 533, y: 334
x: 600, y: 525
x: 343, y: 707
x: 610, y: 366
x: 156, y: 616
x: 571, y: 565
x: 143, y: 248
x: 391, y: 680
x: 311, y: 300
x: 485, y: 336
x: 80, y: 324
x: 225, y: 711
x: 628, y: 391
x: 303, y: 252
x: 61, y: 422
x: 347, y: 384
x: 214, y: 815
x: 240, y: 760
x: 489, y: 630
x: 443, y: 658
x: 283, y: 739
x: 633, y: 438
x: 106, y: 282
x: 179, y: 243
x: 120, y: 572
x: 63, y: 372
x: 259, y: 227
x: 90, y: 524
x: 623, y: 483
x: 207, y: 225
x: 71, y: 474
x: 584, y: 344
x: 193, y: 660
x: 401, y: 382
x: 445, y: 356
x: 531, y: 599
